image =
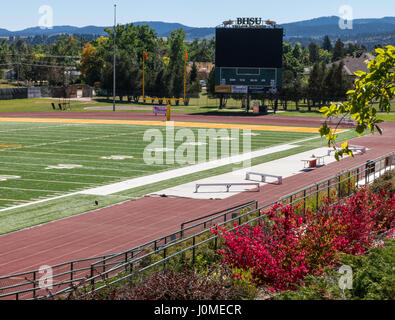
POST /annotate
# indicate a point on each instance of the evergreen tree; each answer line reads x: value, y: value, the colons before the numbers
x: 338, y: 51
x: 314, y: 51
x: 327, y: 44
x: 194, y: 73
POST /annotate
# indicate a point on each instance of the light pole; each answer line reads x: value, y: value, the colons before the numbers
x: 115, y: 59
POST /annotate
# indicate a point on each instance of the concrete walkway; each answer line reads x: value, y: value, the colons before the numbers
x: 286, y: 167
x: 138, y: 182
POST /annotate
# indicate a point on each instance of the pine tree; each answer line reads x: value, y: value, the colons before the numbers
x: 327, y: 45
x: 314, y: 51
x: 338, y: 51
x: 194, y: 73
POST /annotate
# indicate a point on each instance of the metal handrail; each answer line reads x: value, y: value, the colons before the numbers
x: 215, y: 215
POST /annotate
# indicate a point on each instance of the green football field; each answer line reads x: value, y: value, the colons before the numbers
x: 46, y: 160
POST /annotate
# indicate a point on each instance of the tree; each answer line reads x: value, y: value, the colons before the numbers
x: 176, y: 65
x: 91, y: 64
x: 194, y: 73
x: 315, y: 88
x: 291, y: 59
x: 373, y: 92
x: 202, y: 51
x: 314, y: 51
x: 327, y: 44
x: 297, y: 51
x: 338, y: 51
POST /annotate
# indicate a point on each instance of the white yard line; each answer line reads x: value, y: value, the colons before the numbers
x: 31, y: 128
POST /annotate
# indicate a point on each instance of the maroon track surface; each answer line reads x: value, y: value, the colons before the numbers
x: 122, y: 227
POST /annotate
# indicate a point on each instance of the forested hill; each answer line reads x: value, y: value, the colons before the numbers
x: 365, y: 31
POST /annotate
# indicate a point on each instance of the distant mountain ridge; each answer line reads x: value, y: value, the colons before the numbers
x: 307, y: 30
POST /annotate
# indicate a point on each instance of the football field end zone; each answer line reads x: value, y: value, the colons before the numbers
x: 164, y: 123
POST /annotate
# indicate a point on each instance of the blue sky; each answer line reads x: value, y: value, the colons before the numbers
x: 20, y: 14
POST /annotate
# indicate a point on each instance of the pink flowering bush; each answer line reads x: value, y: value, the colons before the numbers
x: 282, y: 251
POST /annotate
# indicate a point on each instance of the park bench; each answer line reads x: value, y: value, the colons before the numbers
x: 160, y: 110
x: 315, y: 161
x: 227, y: 185
x: 357, y: 148
x: 337, y: 119
x: 264, y: 176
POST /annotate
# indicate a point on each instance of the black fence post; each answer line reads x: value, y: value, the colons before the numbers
x: 164, y: 258
x: 34, y: 285
x: 304, y: 201
x: 349, y: 183
x: 329, y: 188
x: 193, y: 250
x: 92, y: 280
x: 339, y: 187
x: 131, y: 264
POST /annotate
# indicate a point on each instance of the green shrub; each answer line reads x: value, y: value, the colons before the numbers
x: 373, y: 279
x: 382, y: 183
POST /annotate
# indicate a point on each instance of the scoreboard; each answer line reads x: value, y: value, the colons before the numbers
x: 248, y: 60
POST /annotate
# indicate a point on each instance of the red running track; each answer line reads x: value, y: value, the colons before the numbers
x: 122, y: 227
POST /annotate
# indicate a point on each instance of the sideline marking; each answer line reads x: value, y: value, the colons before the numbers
x: 6, y: 178
x: 14, y: 200
x: 6, y: 145
x: 164, y: 124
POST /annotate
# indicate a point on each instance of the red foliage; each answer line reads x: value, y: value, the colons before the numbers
x: 303, y: 244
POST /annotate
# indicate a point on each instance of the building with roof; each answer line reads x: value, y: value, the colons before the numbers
x: 354, y: 63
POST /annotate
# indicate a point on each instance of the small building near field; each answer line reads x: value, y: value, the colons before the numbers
x: 204, y: 69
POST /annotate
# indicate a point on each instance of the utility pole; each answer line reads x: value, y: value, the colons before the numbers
x: 115, y: 48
